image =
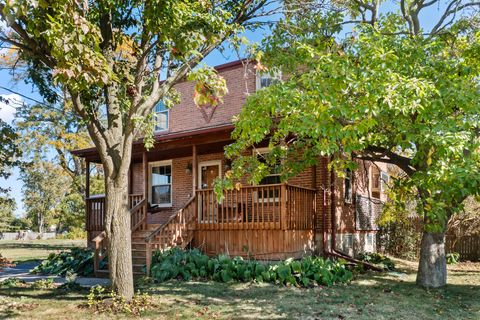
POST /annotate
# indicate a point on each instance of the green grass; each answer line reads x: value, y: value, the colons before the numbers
x: 369, y: 296
x: 28, y: 250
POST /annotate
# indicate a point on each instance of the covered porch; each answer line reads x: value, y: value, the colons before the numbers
x: 268, y: 221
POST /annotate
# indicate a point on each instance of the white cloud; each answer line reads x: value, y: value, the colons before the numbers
x: 7, y: 110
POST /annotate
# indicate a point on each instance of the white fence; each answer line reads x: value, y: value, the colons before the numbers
x: 26, y: 235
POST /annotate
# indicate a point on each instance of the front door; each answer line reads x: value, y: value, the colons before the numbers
x: 209, y: 171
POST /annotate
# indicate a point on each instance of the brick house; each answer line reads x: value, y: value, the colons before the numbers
x: 172, y: 201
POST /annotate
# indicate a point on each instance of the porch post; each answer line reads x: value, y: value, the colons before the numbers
x: 194, y: 169
x: 130, y: 179
x: 145, y: 176
x: 87, y: 202
x: 194, y: 179
x: 87, y: 179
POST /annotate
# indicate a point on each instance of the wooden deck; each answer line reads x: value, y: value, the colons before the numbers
x: 263, y: 222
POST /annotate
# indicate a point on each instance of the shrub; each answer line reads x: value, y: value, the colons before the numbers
x: 77, y: 260
x: 192, y: 264
x: 101, y: 300
x: 453, y: 257
x: 43, y: 284
x: 377, y: 259
x: 401, y: 239
x: 74, y: 233
x: 12, y: 283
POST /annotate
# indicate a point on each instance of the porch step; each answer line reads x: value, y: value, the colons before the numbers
x: 153, y: 226
x: 102, y: 273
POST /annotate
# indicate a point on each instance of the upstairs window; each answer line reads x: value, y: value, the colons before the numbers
x: 348, y: 190
x: 266, y: 79
x: 161, y: 117
x: 161, y: 184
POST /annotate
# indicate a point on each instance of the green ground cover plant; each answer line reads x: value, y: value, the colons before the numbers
x: 192, y: 264
x: 378, y: 260
x: 77, y: 260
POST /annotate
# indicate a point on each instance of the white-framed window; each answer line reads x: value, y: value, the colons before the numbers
x: 161, y: 117
x: 273, y: 194
x: 349, y: 241
x: 348, y: 187
x: 160, y: 183
x: 369, y: 242
x: 265, y: 79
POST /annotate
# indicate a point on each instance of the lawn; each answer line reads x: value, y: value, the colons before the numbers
x: 369, y: 296
x: 21, y: 251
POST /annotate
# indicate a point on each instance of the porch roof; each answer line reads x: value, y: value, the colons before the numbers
x: 174, y: 144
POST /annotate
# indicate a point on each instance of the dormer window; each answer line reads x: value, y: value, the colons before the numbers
x: 161, y: 117
x: 266, y: 79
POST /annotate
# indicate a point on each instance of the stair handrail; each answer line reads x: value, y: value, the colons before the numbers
x: 164, y: 225
x: 135, y: 209
x: 97, y: 257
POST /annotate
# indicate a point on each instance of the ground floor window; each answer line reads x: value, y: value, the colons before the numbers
x: 272, y: 194
x: 160, y: 184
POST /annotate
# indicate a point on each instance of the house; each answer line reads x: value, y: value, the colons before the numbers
x: 173, y: 203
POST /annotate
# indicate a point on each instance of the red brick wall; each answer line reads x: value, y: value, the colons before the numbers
x: 187, y: 116
x: 181, y: 184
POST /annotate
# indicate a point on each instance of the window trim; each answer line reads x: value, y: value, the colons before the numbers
x: 256, y: 152
x: 150, y: 180
x: 277, y: 74
x: 167, y: 110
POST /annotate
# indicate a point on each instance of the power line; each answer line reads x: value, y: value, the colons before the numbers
x: 24, y: 96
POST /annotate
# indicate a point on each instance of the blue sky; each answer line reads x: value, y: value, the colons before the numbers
x: 429, y: 18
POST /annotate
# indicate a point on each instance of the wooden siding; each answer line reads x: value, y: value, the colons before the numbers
x: 257, y: 244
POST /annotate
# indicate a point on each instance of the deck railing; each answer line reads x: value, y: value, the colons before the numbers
x: 276, y: 206
x: 95, y: 210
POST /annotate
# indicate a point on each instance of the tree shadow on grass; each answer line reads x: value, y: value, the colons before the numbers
x: 43, y: 294
x: 370, y: 296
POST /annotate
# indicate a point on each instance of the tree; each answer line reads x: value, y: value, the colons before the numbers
x: 9, y: 151
x: 44, y: 187
x: 7, y: 209
x: 43, y: 128
x: 117, y: 60
x: 385, y: 91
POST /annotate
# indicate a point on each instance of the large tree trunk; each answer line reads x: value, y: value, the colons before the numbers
x: 118, y: 230
x: 432, y: 268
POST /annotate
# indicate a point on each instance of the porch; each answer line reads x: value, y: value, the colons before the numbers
x: 172, y: 203
x: 263, y: 222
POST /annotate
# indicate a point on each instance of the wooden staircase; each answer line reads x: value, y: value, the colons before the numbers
x: 147, y: 238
